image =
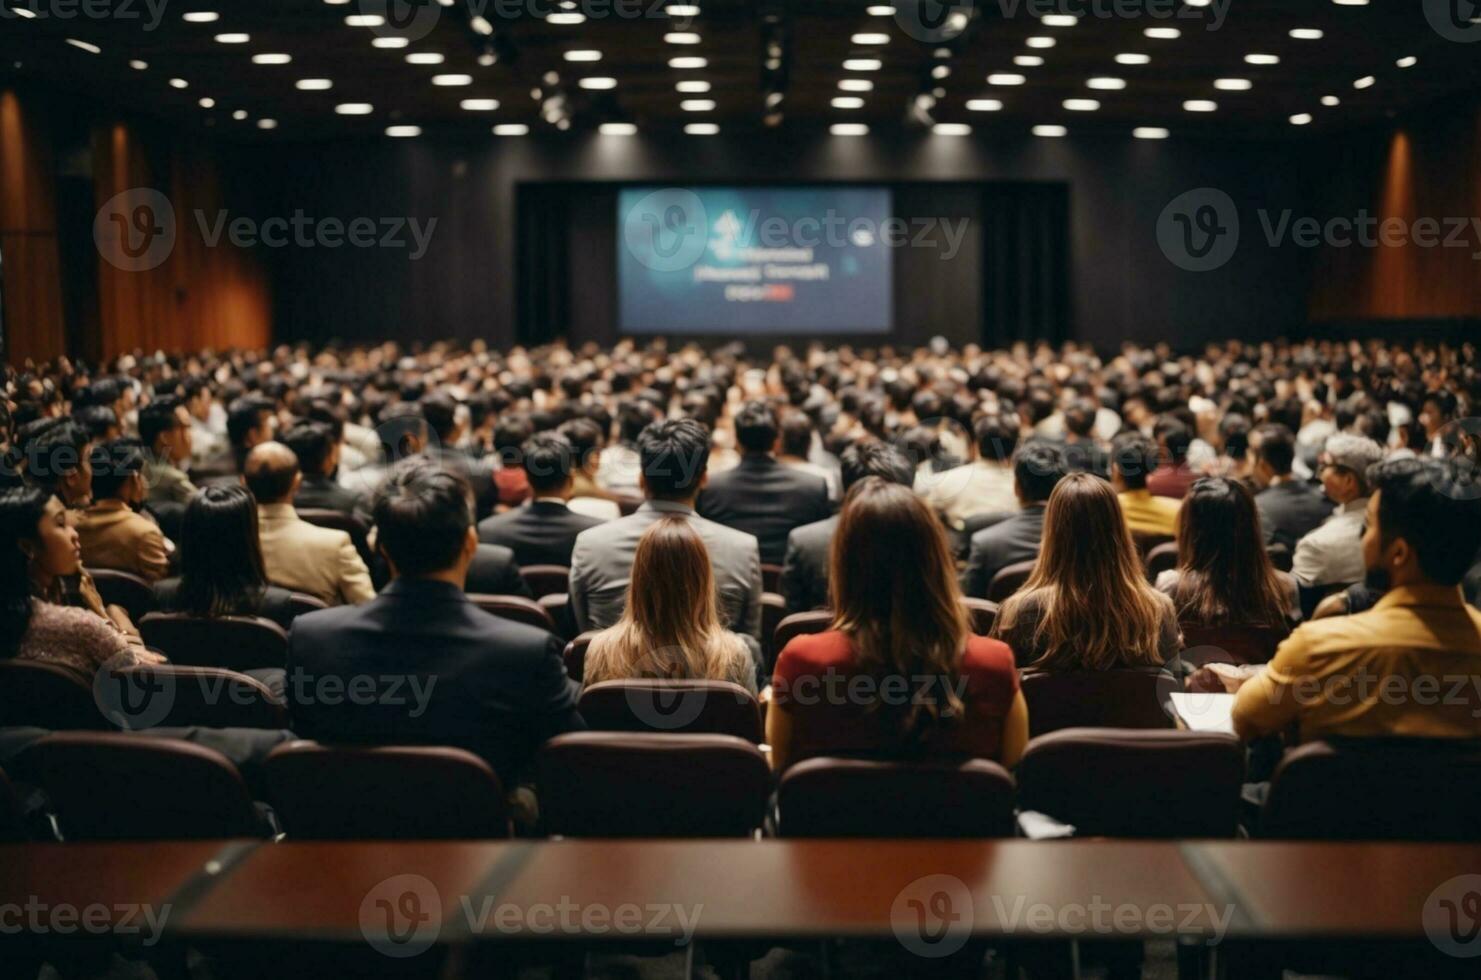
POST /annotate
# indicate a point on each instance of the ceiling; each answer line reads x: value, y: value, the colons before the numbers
x: 815, y: 39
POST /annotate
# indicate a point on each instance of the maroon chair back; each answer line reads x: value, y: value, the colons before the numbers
x: 120, y: 588
x: 175, y: 696
x: 575, y: 655
x: 1280, y: 556
x: 298, y: 604
x: 834, y: 797
x: 1420, y: 789
x: 382, y: 793
x: 982, y: 614
x: 771, y: 578
x: 773, y: 611
x: 1114, y: 782
x: 801, y: 624
x: 1146, y: 541
x: 1161, y: 559
x: 1008, y: 580
x: 40, y: 695
x: 12, y: 824
x: 611, y: 784
x: 228, y: 642
x: 671, y: 707
x: 1231, y: 644
x: 514, y: 607
x: 545, y: 580
x: 132, y: 787
x: 557, y: 606
x: 1096, y: 699
x: 340, y: 521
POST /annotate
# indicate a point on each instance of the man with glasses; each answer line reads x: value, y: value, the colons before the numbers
x: 1333, y: 553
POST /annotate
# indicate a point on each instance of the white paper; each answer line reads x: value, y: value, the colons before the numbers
x: 1205, y: 712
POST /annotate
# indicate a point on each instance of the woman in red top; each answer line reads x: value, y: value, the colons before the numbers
x: 899, y: 674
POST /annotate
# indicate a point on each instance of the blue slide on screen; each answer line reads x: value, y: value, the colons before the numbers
x: 747, y: 260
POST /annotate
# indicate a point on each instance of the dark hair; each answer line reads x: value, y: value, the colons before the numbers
x: 870, y: 457
x: 674, y: 455
x: 1079, y: 418
x: 105, y: 391
x: 1134, y: 456
x: 756, y: 427
x: 1225, y: 578
x: 422, y: 513
x: 584, y: 435
x: 441, y: 413
x: 1235, y: 429
x: 399, y: 422
x: 242, y: 416
x: 1037, y: 469
x: 97, y: 420
x: 113, y: 463
x: 53, y: 450
x: 510, y: 432
x: 996, y: 435
x: 221, y: 570
x: 548, y: 461
x: 1176, y: 437
x: 1277, y: 448
x: 270, y: 478
x: 21, y: 510
x: 632, y: 419
x: 158, y: 418
x: 1424, y: 502
x: 797, y: 431
x: 311, y: 442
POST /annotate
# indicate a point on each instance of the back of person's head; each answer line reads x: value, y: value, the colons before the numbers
x: 797, y: 431
x: 510, y: 432
x: 100, y: 421
x: 1089, y: 587
x: 56, y: 453
x: 1225, y: 576
x: 1430, y: 505
x: 756, y: 427
x: 271, y: 472
x: 548, y: 462
x: 221, y: 570
x: 1276, y: 447
x: 870, y: 457
x: 312, y: 443
x: 1079, y: 418
x: 1037, y: 469
x: 893, y: 588
x: 158, y: 418
x: 402, y: 430
x: 105, y: 391
x: 326, y: 412
x: 1175, y: 437
x: 632, y: 419
x: 996, y: 435
x: 585, y: 437
x: 441, y: 413
x: 1234, y: 429
x: 114, y: 465
x: 21, y: 511
x: 244, y: 416
x: 1133, y: 457
x: 422, y: 514
x: 1353, y: 455
x: 674, y: 455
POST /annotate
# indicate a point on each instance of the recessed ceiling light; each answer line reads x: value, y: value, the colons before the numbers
x: 984, y: 105
x: 271, y: 59
x: 390, y: 42
x: 880, y: 10
x: 1201, y: 105
x: 688, y: 61
x: 1262, y: 59
x: 702, y: 129
x: 617, y: 129
x: 1133, y: 59
x: 179, y: 83
x: 566, y: 19
x: 1050, y: 131
x: 1040, y: 42
x: 479, y: 105
x: 849, y: 129
x: 200, y: 16
x: 1106, y: 83
x: 692, y: 85
x: 354, y: 108
x: 1351, y: 3
x: 697, y: 105
x: 207, y: 103
x: 1233, y: 84
x: 1059, y: 20
x: 1306, y: 33
x: 25, y: 13
x: 1301, y: 119
x: 138, y: 65
x: 598, y: 82
x: 1149, y: 133
x: 511, y: 129
x: 267, y: 124
x: 365, y: 20
x: 84, y: 45
x: 452, y: 81
x: 1005, y: 78
x: 952, y: 129
x: 1081, y: 105
x: 583, y: 55
x: 1365, y: 82
x: 1027, y: 60
x: 239, y: 115
x: 681, y: 37
x: 855, y: 85
x: 403, y: 132
x: 682, y: 10
x: 313, y: 84
x: 870, y: 38
x: 1163, y: 33
x: 1407, y: 62
x: 1331, y: 100
x: 863, y: 64
x: 425, y: 58
x: 233, y: 38
x: 847, y: 102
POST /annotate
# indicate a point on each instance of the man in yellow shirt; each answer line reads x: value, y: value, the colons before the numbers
x: 1133, y: 456
x: 1410, y: 666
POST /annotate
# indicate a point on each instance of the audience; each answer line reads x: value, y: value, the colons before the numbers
x: 795, y: 450
x: 113, y: 534
x: 1038, y: 467
x: 1173, y: 477
x: 1290, y: 508
x: 510, y: 434
x: 165, y: 431
x: 1332, y: 554
x: 983, y: 486
x: 542, y: 531
x: 898, y: 674
x: 58, y: 458
x: 317, y: 446
x: 588, y: 497
x: 1133, y: 458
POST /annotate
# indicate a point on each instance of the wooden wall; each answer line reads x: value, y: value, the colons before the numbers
x: 31, y: 274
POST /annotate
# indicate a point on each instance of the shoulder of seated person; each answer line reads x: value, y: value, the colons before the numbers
x: 983, y: 651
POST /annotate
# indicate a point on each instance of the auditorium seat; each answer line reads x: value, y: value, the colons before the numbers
x: 557, y: 606
x: 47, y: 696
x: 672, y: 706
x: 1231, y: 644
x: 238, y: 643
x: 834, y: 797
x: 1112, y: 782
x: 1280, y: 556
x: 611, y: 784
x: 118, y: 588
x: 325, y: 792
x: 127, y: 787
x: 1096, y: 699
x: 801, y: 624
x: 1147, y: 542
x: 771, y: 578
x: 1376, y: 789
x: 12, y: 824
x: 545, y: 580
x: 773, y: 611
x: 205, y: 696
x: 575, y: 655
x: 1163, y: 558
x: 298, y: 604
x: 516, y: 608
x: 1009, y: 579
x: 981, y: 613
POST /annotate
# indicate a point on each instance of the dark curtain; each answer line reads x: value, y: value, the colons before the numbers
x: 542, y: 265
x: 1025, y: 263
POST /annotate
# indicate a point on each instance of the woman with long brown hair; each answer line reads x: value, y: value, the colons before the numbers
x: 899, y: 672
x: 1087, y: 605
x: 671, y: 626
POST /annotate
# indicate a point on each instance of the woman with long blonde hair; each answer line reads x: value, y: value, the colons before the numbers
x: 671, y: 626
x: 1088, y: 605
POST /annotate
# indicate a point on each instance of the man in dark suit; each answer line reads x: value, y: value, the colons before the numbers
x: 1290, y: 508
x: 445, y: 424
x: 420, y: 664
x: 542, y: 531
x: 317, y: 447
x: 1037, y: 468
x: 805, y: 569
x: 761, y: 496
x: 494, y: 571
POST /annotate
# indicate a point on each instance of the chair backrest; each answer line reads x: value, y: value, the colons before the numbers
x: 176, y: 696
x: 325, y: 792
x: 1376, y: 789
x: 120, y: 588
x: 801, y: 624
x: 514, y: 607
x: 1161, y: 559
x: 557, y: 606
x: 12, y: 823
x: 982, y: 613
x: 1280, y: 556
x: 298, y: 604
x: 1096, y: 699
x: 1116, y: 782
x: 771, y: 578
x: 1231, y: 644
x: 340, y: 521
x: 671, y: 707
x: 1009, y: 579
x: 575, y: 655
x: 136, y: 787
x: 623, y: 784
x: 834, y: 797
x: 1146, y: 541
x: 47, y: 696
x: 773, y: 611
x: 229, y: 642
x: 545, y: 580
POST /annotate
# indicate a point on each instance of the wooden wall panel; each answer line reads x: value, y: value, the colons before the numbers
x: 34, y: 323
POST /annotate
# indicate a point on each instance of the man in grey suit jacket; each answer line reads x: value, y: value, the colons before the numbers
x: 1037, y: 468
x: 674, y: 456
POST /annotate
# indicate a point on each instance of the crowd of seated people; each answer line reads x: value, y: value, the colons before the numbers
x: 675, y: 485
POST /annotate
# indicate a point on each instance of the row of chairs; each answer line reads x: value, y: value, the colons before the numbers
x: 1165, y: 785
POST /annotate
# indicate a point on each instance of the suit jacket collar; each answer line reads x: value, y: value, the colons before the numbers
x: 276, y: 512
x: 548, y: 506
x: 666, y: 507
x: 424, y: 589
